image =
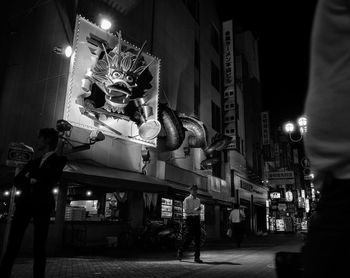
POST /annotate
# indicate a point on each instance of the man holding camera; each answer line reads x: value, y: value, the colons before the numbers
x: 36, y: 181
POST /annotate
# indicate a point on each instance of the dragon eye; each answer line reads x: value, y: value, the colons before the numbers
x: 116, y: 74
x: 129, y: 79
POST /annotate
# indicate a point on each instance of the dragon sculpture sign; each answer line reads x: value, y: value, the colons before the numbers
x: 113, y: 85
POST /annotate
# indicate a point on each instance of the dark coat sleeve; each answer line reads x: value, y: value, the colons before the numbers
x: 51, y: 171
x: 20, y: 179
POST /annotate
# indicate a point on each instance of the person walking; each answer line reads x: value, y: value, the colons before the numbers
x: 236, y: 220
x: 192, y: 209
x: 327, y: 141
x: 35, y: 181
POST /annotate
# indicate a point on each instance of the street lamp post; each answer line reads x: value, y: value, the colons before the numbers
x: 296, y: 132
x: 290, y: 127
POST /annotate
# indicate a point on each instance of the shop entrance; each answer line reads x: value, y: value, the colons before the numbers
x: 260, y: 218
x: 248, y: 215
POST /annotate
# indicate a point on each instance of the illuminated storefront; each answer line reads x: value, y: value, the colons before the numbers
x: 252, y: 198
x: 119, y: 181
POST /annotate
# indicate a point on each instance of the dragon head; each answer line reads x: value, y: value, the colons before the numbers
x: 117, y: 73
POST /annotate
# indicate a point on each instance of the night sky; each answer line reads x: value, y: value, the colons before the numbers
x: 283, y: 29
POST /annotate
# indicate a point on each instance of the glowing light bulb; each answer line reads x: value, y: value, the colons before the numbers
x: 105, y: 24
x: 68, y: 51
x: 289, y: 127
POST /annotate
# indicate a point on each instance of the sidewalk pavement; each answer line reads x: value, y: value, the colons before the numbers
x: 221, y: 259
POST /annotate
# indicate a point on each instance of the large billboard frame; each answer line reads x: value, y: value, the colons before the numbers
x: 84, y: 58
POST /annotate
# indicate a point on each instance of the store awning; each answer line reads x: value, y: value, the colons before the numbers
x: 118, y: 179
x: 91, y: 175
x: 182, y: 190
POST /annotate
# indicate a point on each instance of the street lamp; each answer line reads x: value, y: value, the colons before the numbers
x: 289, y: 128
x: 302, y: 122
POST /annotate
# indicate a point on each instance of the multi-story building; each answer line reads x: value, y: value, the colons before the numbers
x: 131, y: 175
x: 169, y: 134
x: 242, y: 108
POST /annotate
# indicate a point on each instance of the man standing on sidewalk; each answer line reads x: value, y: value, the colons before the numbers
x: 236, y: 220
x: 192, y: 208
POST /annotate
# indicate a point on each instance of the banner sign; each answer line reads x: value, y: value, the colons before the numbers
x: 228, y: 53
x: 230, y: 119
x: 281, y: 175
x: 286, y: 177
x: 265, y: 125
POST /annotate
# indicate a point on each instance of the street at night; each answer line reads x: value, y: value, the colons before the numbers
x: 256, y: 258
x: 174, y: 138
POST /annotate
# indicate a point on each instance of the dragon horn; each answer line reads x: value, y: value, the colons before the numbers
x: 138, y: 56
x: 104, y: 48
x: 119, y: 46
x: 146, y: 66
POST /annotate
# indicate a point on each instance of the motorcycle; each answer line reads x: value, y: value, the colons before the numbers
x: 166, y: 236
x: 156, y: 234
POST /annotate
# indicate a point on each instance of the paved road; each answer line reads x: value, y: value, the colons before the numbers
x: 254, y: 259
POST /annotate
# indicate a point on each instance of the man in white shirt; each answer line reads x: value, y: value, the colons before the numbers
x: 236, y: 219
x: 192, y: 209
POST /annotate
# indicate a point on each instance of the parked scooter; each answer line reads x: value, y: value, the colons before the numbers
x: 169, y: 235
x: 150, y: 237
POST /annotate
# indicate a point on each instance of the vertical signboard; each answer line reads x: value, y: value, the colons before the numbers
x: 265, y: 126
x: 228, y: 53
x: 277, y: 155
x: 230, y: 117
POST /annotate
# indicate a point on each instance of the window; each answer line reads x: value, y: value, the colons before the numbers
x: 238, y: 139
x: 215, y: 77
x: 193, y: 7
x: 197, y: 100
x: 215, y: 117
x: 233, y: 184
x: 216, y: 168
x: 225, y: 156
x: 214, y: 37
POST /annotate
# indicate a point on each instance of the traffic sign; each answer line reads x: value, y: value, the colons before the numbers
x: 305, y: 162
x: 19, y: 154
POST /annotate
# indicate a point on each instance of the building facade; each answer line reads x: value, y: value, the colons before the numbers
x: 242, y: 106
x: 168, y: 135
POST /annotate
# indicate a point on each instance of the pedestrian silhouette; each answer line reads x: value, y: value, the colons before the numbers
x: 35, y: 182
x: 327, y: 141
x: 237, y: 224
